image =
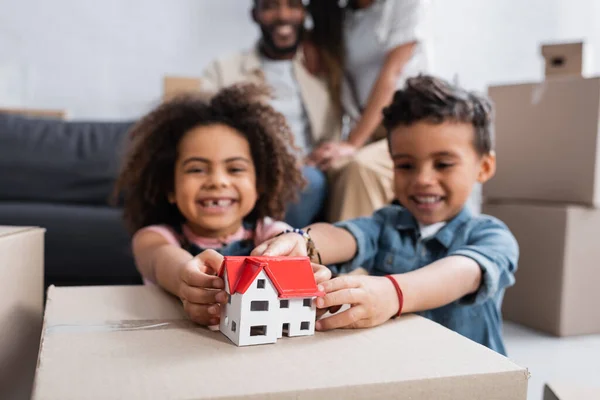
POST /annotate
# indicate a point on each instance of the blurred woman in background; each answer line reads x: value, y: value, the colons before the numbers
x: 366, y: 49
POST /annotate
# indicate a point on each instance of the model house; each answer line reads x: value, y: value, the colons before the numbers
x: 268, y: 297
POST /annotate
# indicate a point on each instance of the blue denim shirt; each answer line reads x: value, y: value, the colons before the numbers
x: 389, y: 243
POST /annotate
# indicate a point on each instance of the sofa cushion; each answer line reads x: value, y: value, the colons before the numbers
x: 59, y: 161
x: 84, y: 245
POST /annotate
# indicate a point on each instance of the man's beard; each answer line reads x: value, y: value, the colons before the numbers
x: 270, y: 45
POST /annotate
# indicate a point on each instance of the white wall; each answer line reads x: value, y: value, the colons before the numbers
x: 106, y: 59
x: 497, y: 41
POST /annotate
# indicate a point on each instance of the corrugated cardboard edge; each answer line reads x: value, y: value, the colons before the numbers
x: 49, y: 292
x: 15, y: 230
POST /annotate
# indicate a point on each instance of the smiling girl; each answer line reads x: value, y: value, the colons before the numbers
x: 202, y: 180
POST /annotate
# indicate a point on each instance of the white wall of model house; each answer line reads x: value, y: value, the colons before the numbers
x: 239, y: 313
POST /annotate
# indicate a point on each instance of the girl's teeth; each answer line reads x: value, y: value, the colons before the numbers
x: 428, y: 199
x: 216, y: 203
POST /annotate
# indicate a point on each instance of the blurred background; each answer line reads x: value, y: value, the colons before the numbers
x: 106, y: 59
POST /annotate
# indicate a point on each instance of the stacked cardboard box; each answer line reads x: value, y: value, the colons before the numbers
x: 547, y: 190
x: 21, y: 304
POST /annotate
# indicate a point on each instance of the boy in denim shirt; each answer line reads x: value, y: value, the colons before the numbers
x: 428, y: 254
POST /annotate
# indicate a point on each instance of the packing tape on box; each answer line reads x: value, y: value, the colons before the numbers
x: 537, y: 93
x: 122, y: 326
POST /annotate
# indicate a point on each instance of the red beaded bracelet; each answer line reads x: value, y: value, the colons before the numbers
x: 399, y: 292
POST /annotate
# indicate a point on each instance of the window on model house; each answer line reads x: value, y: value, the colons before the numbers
x: 258, y: 330
x: 233, y: 326
x: 259, y: 305
x: 284, y: 304
x: 260, y: 284
x: 304, y: 326
x: 307, y: 302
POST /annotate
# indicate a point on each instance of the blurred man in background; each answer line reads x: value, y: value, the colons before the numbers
x: 278, y: 60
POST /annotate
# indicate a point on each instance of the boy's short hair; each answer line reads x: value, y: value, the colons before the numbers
x: 430, y: 99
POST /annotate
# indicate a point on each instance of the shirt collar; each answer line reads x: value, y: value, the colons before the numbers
x: 406, y: 222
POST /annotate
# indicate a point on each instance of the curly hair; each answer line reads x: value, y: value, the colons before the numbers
x: 147, y: 174
x: 427, y: 98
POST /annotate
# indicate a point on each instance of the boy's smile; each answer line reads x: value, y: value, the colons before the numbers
x: 435, y: 168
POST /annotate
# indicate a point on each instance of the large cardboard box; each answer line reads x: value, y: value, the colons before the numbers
x: 558, y: 277
x: 547, y: 141
x: 135, y: 342
x: 21, y: 305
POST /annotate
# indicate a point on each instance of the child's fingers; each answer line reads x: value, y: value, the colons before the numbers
x: 286, y: 245
x: 210, y: 261
x: 341, y: 297
x: 260, y: 249
x: 342, y: 320
x: 196, y: 278
x: 341, y: 282
x: 202, y: 314
x: 321, y: 273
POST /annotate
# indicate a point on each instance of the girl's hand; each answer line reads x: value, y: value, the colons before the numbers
x: 288, y: 244
x: 200, y: 290
x: 373, y: 301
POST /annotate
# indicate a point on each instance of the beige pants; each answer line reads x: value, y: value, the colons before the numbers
x: 361, y: 184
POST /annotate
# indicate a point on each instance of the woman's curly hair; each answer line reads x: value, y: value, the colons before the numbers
x: 147, y: 175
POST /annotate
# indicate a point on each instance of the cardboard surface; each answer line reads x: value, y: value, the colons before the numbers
x: 134, y: 342
x: 547, y: 142
x: 28, y: 112
x: 561, y: 391
x: 21, y: 305
x: 175, y: 85
x: 563, y: 59
x: 556, y: 289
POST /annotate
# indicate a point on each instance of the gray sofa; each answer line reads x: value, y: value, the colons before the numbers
x: 60, y: 175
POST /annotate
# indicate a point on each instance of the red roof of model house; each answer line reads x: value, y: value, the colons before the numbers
x: 291, y: 276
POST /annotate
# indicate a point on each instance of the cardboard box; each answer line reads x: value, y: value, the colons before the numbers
x: 175, y: 85
x: 547, y: 142
x: 134, y: 342
x: 570, y: 392
x: 562, y: 59
x: 556, y: 289
x: 21, y: 306
x: 29, y: 112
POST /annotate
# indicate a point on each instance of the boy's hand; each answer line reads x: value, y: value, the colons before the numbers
x: 321, y: 272
x: 373, y: 301
x: 200, y: 290
x: 289, y: 244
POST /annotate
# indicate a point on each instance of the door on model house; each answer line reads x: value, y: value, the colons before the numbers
x: 286, y: 329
